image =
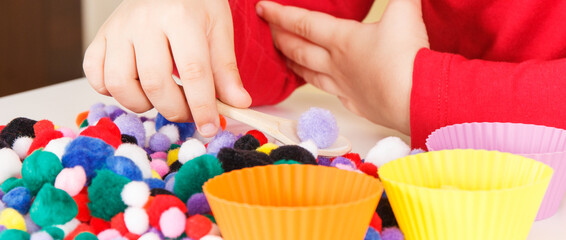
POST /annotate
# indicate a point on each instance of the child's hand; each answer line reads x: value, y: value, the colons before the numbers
x: 368, y: 66
x: 140, y: 41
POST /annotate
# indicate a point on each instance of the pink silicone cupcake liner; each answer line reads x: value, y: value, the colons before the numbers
x: 545, y: 144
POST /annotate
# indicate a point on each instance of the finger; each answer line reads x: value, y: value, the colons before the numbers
x: 155, y: 66
x: 227, y: 79
x: 190, y: 51
x: 319, y: 80
x: 301, y: 51
x: 120, y: 76
x: 350, y: 106
x: 93, y: 65
x: 316, y: 27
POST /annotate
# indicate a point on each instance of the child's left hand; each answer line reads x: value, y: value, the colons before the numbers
x: 368, y: 66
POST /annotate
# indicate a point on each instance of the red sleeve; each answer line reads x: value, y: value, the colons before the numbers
x: 263, y: 70
x: 449, y: 89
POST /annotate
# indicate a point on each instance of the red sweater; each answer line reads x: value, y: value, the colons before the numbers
x: 490, y: 61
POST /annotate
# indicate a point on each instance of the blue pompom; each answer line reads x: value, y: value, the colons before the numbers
x: 18, y: 198
x: 319, y: 125
x: 130, y: 124
x: 170, y: 184
x: 372, y: 234
x: 154, y: 183
x: 125, y: 167
x: 90, y: 153
x: 186, y: 130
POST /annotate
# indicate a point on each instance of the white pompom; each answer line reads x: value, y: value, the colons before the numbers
x: 21, y: 146
x: 191, y: 149
x: 137, y: 220
x: 150, y: 236
x: 211, y: 237
x: 149, y: 127
x: 10, y: 163
x: 386, y: 150
x: 171, y: 131
x: 172, y: 222
x: 57, y: 146
x: 137, y: 155
x: 41, y: 235
x: 135, y: 194
x: 70, y: 226
x: 201, y: 138
x: 310, y: 146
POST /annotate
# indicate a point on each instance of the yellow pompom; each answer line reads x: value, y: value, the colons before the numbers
x: 172, y: 156
x: 267, y: 148
x: 156, y: 175
x: 12, y: 219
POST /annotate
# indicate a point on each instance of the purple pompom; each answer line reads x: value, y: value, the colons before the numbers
x: 392, y: 233
x: 1, y: 193
x: 416, y: 151
x: 2, y: 228
x: 198, y: 204
x: 221, y: 140
x: 95, y: 113
x: 159, y: 234
x: 170, y: 184
x: 113, y: 111
x: 159, y: 142
x: 319, y: 125
x: 130, y: 124
x: 343, y: 161
x: 324, y: 161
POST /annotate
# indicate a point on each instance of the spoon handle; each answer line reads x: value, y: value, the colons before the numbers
x: 263, y: 122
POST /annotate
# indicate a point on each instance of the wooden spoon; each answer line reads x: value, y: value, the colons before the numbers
x: 284, y: 130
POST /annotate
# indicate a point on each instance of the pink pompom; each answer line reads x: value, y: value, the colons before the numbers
x: 67, y: 132
x: 160, y: 167
x: 172, y: 223
x: 109, y: 234
x: 158, y: 155
x: 71, y: 180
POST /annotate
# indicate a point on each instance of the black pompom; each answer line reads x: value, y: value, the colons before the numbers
x: 246, y: 142
x: 18, y: 127
x: 293, y: 152
x: 3, y: 144
x: 234, y: 159
x: 386, y: 213
x: 175, y: 166
x: 129, y: 139
x: 160, y: 191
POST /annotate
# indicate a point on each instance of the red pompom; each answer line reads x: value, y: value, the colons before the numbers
x: 259, y: 136
x: 222, y: 122
x: 198, y: 226
x: 42, y: 126
x: 84, y: 213
x: 160, y: 204
x: 106, y: 130
x: 2, y: 127
x: 43, y: 139
x: 131, y: 236
x: 369, y: 169
x: 98, y: 225
x: 354, y: 157
x: 119, y: 224
x: 376, y: 222
x: 83, y: 227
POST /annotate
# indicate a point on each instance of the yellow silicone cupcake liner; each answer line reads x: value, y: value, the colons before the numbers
x: 465, y: 194
x: 296, y: 202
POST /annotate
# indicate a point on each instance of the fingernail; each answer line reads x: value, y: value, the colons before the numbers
x: 259, y: 10
x: 208, y: 129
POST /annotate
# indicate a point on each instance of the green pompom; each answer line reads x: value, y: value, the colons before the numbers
x: 105, y: 194
x: 86, y: 236
x: 55, y: 232
x: 53, y: 206
x: 39, y: 168
x: 84, y: 124
x: 194, y: 174
x: 13, y: 234
x: 12, y: 183
x: 210, y: 217
x: 174, y: 146
x: 283, y: 161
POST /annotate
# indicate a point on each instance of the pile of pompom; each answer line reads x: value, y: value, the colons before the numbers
x: 116, y: 177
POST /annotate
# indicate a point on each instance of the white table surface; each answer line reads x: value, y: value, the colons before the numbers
x: 62, y: 102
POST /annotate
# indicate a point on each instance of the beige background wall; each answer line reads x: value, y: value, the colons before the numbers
x: 95, y: 13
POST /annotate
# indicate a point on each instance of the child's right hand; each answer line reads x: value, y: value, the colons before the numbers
x: 131, y: 59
